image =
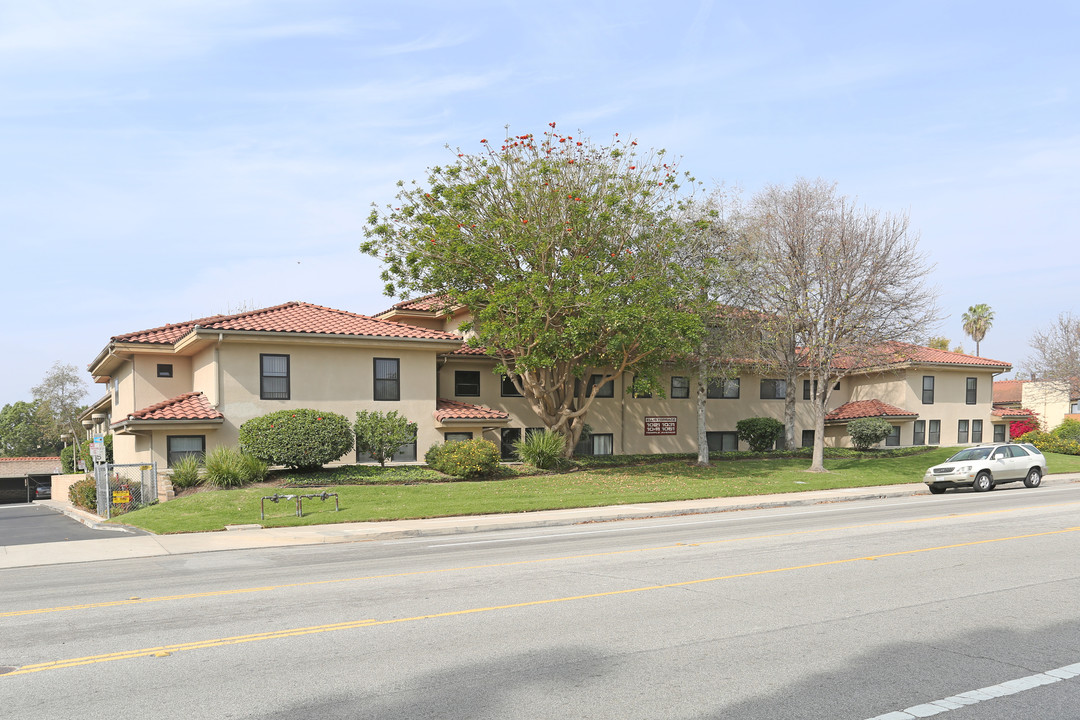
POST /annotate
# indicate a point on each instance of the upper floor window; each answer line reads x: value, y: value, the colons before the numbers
x: 680, y: 387
x: 274, y: 377
x: 467, y: 383
x: 387, y: 379
x: 164, y: 370
x: 773, y: 389
x: 508, y: 387
x: 972, y: 395
x: 724, y: 388
x: 928, y: 389
x: 639, y: 393
x: 607, y: 390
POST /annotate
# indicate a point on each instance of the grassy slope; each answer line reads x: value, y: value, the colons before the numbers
x: 653, y: 482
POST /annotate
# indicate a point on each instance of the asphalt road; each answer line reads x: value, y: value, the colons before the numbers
x: 856, y: 610
x: 31, y: 524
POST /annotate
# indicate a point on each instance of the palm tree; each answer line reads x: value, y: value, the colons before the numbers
x: 977, y: 320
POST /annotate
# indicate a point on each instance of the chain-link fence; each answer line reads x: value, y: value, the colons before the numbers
x: 123, y: 488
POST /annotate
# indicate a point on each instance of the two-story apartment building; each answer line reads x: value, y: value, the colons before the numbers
x: 187, y: 387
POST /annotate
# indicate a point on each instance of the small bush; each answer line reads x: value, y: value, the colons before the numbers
x: 185, y: 472
x: 867, y: 432
x: 83, y: 493
x: 1048, y: 442
x: 381, y: 434
x: 302, y: 439
x: 1068, y: 430
x: 228, y: 467
x: 759, y: 432
x: 543, y: 450
x: 469, y: 459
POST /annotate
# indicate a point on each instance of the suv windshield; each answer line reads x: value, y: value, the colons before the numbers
x: 978, y: 453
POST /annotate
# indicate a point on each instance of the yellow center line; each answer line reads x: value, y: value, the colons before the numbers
x: 163, y: 650
x: 465, y: 568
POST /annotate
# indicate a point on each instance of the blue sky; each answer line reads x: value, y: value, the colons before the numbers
x: 170, y: 159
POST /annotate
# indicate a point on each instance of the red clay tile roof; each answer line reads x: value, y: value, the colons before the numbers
x: 454, y: 410
x: 466, y: 350
x: 189, y: 406
x: 865, y: 409
x: 1010, y: 413
x: 1008, y: 391
x: 425, y: 303
x: 898, y: 353
x: 292, y: 317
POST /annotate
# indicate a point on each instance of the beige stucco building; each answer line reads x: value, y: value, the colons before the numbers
x: 188, y: 387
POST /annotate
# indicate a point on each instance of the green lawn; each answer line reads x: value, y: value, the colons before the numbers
x: 420, y: 493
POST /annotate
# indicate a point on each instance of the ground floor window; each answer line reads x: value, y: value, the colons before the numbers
x: 999, y: 433
x: 458, y: 436
x: 722, y: 441
x: 596, y: 444
x: 508, y: 437
x: 934, y: 432
x: 962, y: 432
x: 893, y: 438
x: 807, y: 438
x: 180, y: 446
x: 976, y: 431
x: 405, y: 453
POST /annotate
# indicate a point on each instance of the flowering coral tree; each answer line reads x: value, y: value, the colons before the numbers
x: 564, y: 251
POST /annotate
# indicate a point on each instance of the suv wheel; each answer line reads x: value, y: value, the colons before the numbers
x: 936, y: 489
x: 1034, y: 478
x: 983, y: 482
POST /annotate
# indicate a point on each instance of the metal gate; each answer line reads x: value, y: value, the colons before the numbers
x: 123, y: 488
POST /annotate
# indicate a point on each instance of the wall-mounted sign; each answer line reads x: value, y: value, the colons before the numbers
x: 661, y: 425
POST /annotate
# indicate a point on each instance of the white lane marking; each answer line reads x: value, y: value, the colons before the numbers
x: 730, y: 517
x: 971, y: 697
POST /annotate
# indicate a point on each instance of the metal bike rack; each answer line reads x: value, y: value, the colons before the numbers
x: 275, y: 498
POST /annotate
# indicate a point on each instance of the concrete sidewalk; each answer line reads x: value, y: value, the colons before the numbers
x: 248, y: 537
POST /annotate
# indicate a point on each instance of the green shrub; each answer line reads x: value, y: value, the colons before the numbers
x: 1068, y: 430
x: 83, y: 493
x: 381, y: 434
x: 67, y: 459
x: 1048, y: 442
x: 228, y: 467
x: 468, y: 459
x: 759, y: 432
x: 867, y: 432
x: 185, y: 472
x: 543, y: 450
x: 303, y: 439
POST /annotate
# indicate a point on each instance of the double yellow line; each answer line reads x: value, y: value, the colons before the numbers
x: 165, y: 650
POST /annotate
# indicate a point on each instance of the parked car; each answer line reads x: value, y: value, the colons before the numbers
x: 42, y: 489
x: 984, y: 466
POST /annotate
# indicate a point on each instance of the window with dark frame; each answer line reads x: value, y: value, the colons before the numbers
x: 639, y: 394
x: 457, y: 436
x: 507, y: 438
x: 893, y: 438
x: 999, y: 433
x: 273, y: 377
x: 507, y: 388
x: 773, y: 389
x: 724, y: 388
x: 722, y: 441
x: 387, y: 379
x: 962, y: 431
x: 607, y: 390
x: 972, y: 394
x: 807, y: 438
x: 680, y: 387
x: 467, y: 383
x: 918, y: 436
x: 808, y: 390
x: 164, y: 370
x: 596, y: 444
x: 933, y: 433
x: 976, y: 431
x: 928, y: 390
x: 180, y: 446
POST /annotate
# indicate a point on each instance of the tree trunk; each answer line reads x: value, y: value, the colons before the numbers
x: 702, y: 394
x: 821, y: 399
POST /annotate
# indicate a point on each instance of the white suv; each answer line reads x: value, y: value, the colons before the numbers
x: 984, y: 466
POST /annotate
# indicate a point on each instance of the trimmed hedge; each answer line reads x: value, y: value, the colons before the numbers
x: 760, y: 433
x: 468, y: 459
x: 303, y: 439
x: 867, y: 432
x: 83, y: 493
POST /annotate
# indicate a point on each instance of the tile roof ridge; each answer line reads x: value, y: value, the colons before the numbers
x: 28, y: 457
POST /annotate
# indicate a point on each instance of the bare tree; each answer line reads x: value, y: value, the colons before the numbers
x: 840, y: 284
x: 1056, y: 351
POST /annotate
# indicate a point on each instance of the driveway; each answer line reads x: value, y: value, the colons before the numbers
x: 32, y: 524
